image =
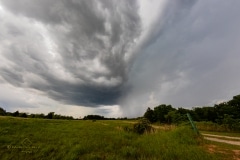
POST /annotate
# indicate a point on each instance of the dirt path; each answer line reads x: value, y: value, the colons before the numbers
x: 213, y: 135
x: 217, y: 138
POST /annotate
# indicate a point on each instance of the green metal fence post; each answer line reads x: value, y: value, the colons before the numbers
x: 192, y: 123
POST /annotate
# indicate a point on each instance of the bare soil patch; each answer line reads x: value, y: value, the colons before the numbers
x: 217, y: 138
x: 234, y: 154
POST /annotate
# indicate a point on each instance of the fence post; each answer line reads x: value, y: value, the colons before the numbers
x: 192, y: 123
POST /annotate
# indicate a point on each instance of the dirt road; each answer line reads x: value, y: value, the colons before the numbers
x: 223, y: 139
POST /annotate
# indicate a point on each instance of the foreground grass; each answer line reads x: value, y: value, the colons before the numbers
x: 101, y: 140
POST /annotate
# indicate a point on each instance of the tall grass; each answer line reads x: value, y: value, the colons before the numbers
x: 100, y: 140
x: 214, y: 127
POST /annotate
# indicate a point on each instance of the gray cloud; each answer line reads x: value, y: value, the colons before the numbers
x: 95, y: 53
x: 193, y: 59
x: 76, y: 50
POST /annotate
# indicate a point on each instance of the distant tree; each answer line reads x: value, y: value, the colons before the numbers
x: 182, y: 111
x: 24, y: 115
x: 226, y: 114
x: 50, y: 115
x: 235, y: 103
x: 39, y: 116
x: 16, y: 114
x: 31, y: 116
x: 182, y: 115
x: 222, y: 109
x: 58, y: 116
x: 149, y: 114
x: 9, y: 114
x: 2, y: 112
x: 173, y: 117
x: 160, y: 112
x: 70, y: 117
x: 93, y: 117
x: 205, y: 113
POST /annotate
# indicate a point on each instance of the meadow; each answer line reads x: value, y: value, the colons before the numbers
x: 29, y: 139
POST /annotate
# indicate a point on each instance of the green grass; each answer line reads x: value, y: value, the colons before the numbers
x: 214, y: 127
x: 29, y: 139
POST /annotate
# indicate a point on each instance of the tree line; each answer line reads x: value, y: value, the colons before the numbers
x: 227, y: 113
x: 224, y: 113
x: 50, y: 115
x: 99, y: 117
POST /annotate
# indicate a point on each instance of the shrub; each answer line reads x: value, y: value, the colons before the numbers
x: 143, y: 126
x: 127, y: 129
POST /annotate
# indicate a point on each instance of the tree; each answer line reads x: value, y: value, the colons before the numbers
x: 50, y: 115
x: 235, y: 103
x: 16, y: 114
x: 175, y: 117
x: 93, y: 117
x: 39, y: 115
x: 2, y: 112
x: 183, y: 111
x: 32, y: 116
x: 24, y: 115
x: 222, y: 109
x: 160, y: 112
x: 206, y: 114
x: 149, y: 114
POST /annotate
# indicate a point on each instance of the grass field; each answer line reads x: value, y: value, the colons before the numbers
x: 29, y: 139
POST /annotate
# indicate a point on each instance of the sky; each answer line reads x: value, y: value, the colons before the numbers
x: 117, y: 58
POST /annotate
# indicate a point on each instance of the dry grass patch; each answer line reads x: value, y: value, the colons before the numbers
x: 224, y: 153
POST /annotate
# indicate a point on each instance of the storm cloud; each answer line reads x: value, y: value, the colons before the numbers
x: 123, y: 56
x: 192, y: 60
x: 77, y: 52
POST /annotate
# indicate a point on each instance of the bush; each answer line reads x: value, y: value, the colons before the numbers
x: 143, y: 126
x: 127, y: 129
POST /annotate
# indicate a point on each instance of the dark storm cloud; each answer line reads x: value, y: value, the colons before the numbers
x: 11, y: 76
x: 75, y: 51
x: 93, y: 52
